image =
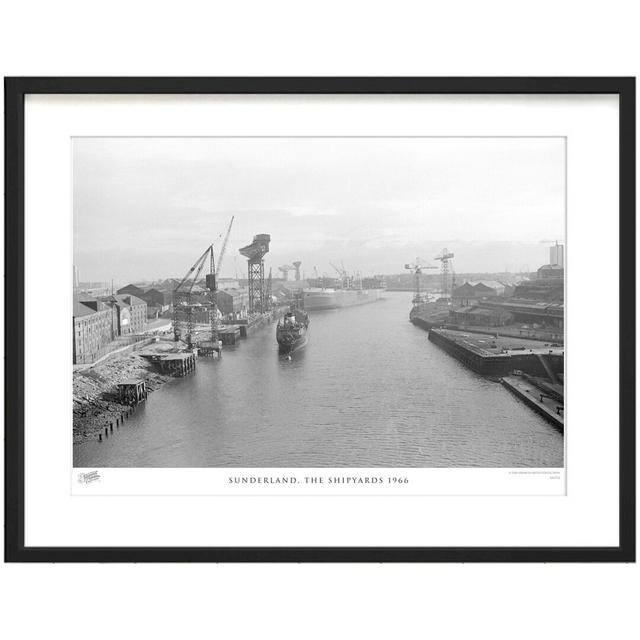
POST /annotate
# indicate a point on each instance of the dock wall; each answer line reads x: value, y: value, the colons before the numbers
x: 489, y: 364
x: 555, y: 418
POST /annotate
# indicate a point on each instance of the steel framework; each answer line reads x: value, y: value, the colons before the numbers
x: 184, y: 305
x: 256, y: 286
x: 255, y: 253
x: 445, y: 257
x: 417, y: 268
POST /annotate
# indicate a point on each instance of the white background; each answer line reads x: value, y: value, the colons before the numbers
x: 332, y: 38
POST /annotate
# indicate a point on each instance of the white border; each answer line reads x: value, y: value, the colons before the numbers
x: 587, y: 516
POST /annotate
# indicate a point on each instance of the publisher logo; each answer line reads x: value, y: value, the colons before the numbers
x: 90, y: 476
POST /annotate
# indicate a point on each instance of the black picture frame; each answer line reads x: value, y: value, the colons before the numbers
x: 15, y: 91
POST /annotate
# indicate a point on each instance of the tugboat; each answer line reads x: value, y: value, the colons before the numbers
x: 292, y: 329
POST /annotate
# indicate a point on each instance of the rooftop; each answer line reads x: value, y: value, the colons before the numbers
x: 85, y: 305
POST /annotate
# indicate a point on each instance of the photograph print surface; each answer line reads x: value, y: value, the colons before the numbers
x: 318, y: 302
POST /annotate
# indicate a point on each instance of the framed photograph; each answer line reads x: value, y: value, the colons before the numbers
x: 320, y: 319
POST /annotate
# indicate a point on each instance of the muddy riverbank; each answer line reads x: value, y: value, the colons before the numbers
x: 95, y: 391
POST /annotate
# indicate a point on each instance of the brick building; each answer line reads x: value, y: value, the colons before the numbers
x: 92, y: 328
x: 233, y: 301
x: 129, y: 314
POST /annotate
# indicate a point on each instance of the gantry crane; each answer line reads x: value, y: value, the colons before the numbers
x: 269, y: 292
x: 255, y: 253
x: 445, y: 257
x: 417, y: 268
x: 284, y: 269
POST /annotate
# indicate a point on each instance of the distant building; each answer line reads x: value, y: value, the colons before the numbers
x: 158, y: 298
x: 492, y: 287
x: 92, y: 328
x: 229, y: 283
x: 551, y: 271
x: 94, y: 289
x: 545, y: 289
x: 76, y: 277
x: 129, y: 314
x: 474, y: 315
x: 233, y: 301
x: 509, y: 290
x: 131, y: 289
x: 556, y: 255
x: 536, y: 312
x: 464, y: 291
x: 472, y: 291
x: 374, y: 282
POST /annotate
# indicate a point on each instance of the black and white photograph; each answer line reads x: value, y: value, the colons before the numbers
x: 300, y: 302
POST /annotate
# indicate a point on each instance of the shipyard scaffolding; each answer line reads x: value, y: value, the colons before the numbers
x: 255, y: 253
x: 269, y: 293
x: 194, y: 304
x: 446, y: 273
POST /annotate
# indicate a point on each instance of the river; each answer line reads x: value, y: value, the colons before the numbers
x: 369, y: 390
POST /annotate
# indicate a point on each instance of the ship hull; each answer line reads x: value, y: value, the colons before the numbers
x: 322, y: 299
x: 290, y: 347
x: 292, y: 330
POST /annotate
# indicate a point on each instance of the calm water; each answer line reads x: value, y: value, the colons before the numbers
x: 369, y: 390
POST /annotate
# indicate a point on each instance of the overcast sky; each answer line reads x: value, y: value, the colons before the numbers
x: 147, y: 208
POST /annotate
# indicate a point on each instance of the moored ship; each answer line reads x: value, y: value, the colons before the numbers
x: 316, y: 299
x: 292, y: 329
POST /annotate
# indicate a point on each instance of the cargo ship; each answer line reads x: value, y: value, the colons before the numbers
x: 316, y: 299
x: 292, y: 329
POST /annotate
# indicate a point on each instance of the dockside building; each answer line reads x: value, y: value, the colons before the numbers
x: 92, y: 328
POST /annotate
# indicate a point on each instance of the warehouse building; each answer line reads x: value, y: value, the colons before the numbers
x: 478, y: 316
x: 129, y: 314
x: 233, y: 302
x: 92, y: 328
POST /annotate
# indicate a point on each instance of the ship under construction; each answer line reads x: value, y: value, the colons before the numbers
x: 344, y: 291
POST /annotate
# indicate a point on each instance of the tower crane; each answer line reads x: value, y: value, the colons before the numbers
x: 417, y: 268
x: 445, y: 257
